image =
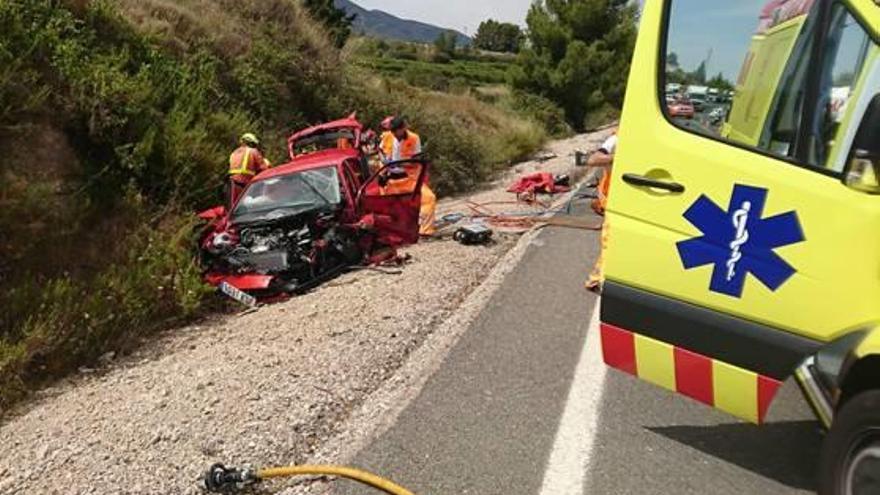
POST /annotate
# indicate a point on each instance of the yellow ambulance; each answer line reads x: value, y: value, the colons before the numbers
x: 745, y: 253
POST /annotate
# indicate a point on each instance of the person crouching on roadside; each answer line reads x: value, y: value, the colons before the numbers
x: 245, y: 163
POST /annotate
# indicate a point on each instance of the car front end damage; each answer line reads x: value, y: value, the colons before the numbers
x: 288, y: 256
x: 301, y: 224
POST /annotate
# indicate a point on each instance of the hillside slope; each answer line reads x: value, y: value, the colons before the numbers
x: 381, y: 24
x: 118, y: 118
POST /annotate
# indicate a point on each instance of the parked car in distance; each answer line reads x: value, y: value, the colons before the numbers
x: 717, y: 115
x: 681, y: 109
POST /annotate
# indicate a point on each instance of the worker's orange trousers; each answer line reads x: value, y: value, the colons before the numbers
x: 597, y: 277
x: 428, y: 212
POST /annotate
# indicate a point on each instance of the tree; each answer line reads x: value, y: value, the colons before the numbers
x: 337, y: 22
x: 719, y: 82
x: 579, y: 55
x: 699, y: 75
x: 497, y: 36
x: 446, y: 43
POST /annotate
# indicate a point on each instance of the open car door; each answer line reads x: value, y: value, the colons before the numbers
x: 393, y: 197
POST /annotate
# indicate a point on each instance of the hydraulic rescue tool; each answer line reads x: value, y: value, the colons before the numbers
x: 220, y: 479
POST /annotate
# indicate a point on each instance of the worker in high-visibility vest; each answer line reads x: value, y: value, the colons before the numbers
x: 386, y: 140
x: 602, y: 159
x: 403, y: 144
x: 245, y: 163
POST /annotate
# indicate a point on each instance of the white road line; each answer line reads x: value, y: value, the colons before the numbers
x: 566, y: 472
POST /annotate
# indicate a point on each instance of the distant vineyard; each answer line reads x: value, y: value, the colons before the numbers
x: 439, y: 75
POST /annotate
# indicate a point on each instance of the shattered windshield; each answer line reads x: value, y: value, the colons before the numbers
x: 288, y: 195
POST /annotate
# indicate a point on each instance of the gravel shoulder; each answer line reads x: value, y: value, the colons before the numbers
x: 309, y: 379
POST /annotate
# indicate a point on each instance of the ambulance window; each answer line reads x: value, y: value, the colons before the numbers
x: 737, y: 71
x: 841, y: 87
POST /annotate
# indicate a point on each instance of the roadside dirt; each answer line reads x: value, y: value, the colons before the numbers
x: 284, y: 385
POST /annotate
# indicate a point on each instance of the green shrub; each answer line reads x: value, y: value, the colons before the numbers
x: 601, y: 116
x: 76, y: 321
x: 541, y: 110
x: 151, y: 126
x: 425, y: 79
x: 439, y: 57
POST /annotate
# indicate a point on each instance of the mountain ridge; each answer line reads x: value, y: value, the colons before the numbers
x: 381, y: 24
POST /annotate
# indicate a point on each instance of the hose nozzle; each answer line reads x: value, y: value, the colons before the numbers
x: 220, y: 479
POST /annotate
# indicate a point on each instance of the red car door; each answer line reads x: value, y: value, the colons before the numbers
x: 393, y: 197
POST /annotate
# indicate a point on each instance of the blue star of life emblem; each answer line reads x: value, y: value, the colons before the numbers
x: 739, y: 241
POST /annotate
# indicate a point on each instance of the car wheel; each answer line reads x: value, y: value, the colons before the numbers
x: 850, y: 461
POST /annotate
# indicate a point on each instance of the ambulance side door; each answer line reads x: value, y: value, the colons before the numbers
x: 738, y: 244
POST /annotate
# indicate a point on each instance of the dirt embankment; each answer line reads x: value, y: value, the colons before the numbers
x: 271, y: 387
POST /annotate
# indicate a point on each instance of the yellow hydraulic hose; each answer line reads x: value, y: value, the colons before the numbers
x: 364, y: 477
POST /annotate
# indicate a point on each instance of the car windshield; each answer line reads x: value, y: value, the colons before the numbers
x: 288, y: 195
x: 333, y: 139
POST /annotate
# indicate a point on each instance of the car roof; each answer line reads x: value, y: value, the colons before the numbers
x: 346, y: 123
x: 320, y: 159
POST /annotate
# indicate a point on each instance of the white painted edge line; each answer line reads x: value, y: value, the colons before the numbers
x: 567, y: 468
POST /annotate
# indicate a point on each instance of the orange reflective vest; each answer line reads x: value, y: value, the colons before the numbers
x: 245, y: 163
x: 386, y: 144
x: 395, y: 150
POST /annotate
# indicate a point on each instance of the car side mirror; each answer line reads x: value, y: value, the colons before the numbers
x: 862, y: 171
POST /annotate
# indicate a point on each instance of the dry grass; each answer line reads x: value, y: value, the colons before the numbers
x: 228, y: 25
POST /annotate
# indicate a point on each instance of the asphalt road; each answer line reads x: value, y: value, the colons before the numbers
x: 523, y: 406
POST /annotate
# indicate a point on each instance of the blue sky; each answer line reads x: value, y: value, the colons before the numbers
x: 722, y: 26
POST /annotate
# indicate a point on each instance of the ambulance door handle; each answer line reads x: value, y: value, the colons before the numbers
x: 642, y: 181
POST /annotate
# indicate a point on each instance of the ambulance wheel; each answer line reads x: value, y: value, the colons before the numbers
x: 850, y: 461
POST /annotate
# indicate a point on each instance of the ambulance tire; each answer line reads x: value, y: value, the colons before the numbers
x: 850, y: 460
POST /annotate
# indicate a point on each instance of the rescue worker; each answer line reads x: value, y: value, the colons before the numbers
x: 602, y: 159
x: 386, y: 140
x: 406, y: 144
x: 403, y: 144
x: 245, y: 163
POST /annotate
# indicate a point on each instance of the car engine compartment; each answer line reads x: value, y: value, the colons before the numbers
x: 299, y: 252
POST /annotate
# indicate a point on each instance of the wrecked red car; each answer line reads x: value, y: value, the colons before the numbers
x: 302, y: 223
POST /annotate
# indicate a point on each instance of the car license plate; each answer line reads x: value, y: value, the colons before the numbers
x: 240, y: 296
